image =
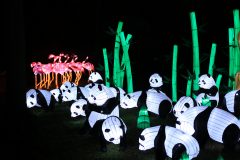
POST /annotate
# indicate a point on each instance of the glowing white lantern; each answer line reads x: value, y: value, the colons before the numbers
x: 57, y: 94
x: 75, y: 93
x: 155, y: 80
x: 67, y: 85
x: 147, y: 137
x: 232, y: 102
x: 130, y: 100
x: 99, y: 94
x: 183, y: 104
x: 206, y: 81
x: 94, y: 77
x: 77, y: 108
x: 171, y: 139
x: 39, y: 98
x: 113, y: 129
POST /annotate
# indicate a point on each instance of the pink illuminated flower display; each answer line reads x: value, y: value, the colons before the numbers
x: 60, y: 70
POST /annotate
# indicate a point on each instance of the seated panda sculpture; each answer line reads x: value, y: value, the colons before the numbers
x: 168, y: 142
x: 208, y: 94
x: 210, y: 122
x: 40, y: 98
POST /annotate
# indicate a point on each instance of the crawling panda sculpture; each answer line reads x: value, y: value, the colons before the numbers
x: 168, y: 142
x: 40, y: 98
x: 207, y: 122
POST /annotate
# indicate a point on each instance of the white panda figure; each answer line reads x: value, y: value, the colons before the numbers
x: 155, y: 82
x: 168, y: 142
x: 57, y: 94
x: 157, y: 102
x: 184, y: 103
x: 111, y: 129
x: 65, y: 86
x: 40, y: 98
x: 95, y: 77
x: 75, y: 93
x: 231, y: 102
x: 208, y: 91
x: 210, y: 122
x: 78, y: 108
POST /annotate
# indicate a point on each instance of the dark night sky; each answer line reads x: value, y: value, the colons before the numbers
x: 81, y: 27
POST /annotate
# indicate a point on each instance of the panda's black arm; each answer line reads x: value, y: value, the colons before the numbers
x: 160, y: 152
x: 142, y: 99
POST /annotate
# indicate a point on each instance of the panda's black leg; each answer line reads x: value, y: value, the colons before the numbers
x: 85, y: 128
x: 231, y: 136
x: 123, y: 143
x: 177, y: 151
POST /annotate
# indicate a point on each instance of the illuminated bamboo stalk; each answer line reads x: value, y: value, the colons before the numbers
x: 218, y: 81
x: 236, y: 45
x: 106, y: 67
x: 231, y: 57
x: 174, y: 73
x: 116, y: 64
x: 125, y: 47
x: 212, y: 59
x: 189, y: 87
x: 124, y: 60
x: 196, y: 64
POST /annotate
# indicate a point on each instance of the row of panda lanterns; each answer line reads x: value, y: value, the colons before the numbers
x: 194, y: 121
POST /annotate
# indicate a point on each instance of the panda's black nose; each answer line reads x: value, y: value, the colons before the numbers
x: 111, y: 139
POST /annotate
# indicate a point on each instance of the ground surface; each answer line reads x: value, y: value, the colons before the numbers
x: 53, y: 135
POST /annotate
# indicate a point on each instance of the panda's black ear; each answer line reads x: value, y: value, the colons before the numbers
x: 100, y: 87
x: 208, y: 75
x: 194, y: 102
x: 107, y: 130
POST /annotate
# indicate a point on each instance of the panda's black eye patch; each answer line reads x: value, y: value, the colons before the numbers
x: 203, y: 82
x: 75, y: 113
x: 178, y: 122
x: 111, y: 139
x: 69, y: 91
x: 63, y: 90
x: 100, y: 87
x: 32, y: 96
x: 174, y: 112
x: 66, y: 86
x: 187, y: 105
x: 129, y: 96
x: 77, y: 106
x: 107, y: 130
x: 181, y: 111
x: 142, y: 137
x: 31, y: 103
x: 53, y: 93
x: 156, y: 80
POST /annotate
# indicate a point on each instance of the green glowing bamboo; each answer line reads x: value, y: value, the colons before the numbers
x: 196, y: 64
x: 212, y: 58
x: 143, y: 120
x: 125, y: 47
x: 116, y: 64
x: 124, y: 60
x: 231, y: 57
x: 236, y: 45
x: 189, y: 87
x: 106, y: 67
x: 174, y: 73
x: 218, y: 81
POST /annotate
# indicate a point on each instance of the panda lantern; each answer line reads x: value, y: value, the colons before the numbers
x: 210, y: 122
x: 231, y: 102
x: 207, y: 94
x: 40, y: 98
x: 168, y: 141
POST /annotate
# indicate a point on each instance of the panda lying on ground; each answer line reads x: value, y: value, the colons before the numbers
x: 113, y: 130
x: 40, y: 98
x: 168, y: 142
x: 210, y: 122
